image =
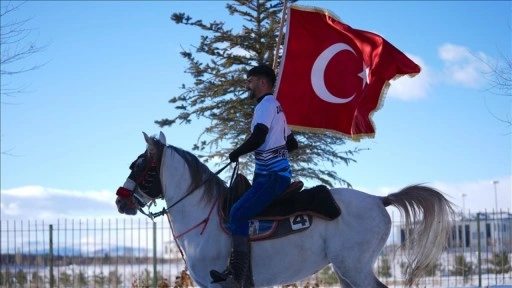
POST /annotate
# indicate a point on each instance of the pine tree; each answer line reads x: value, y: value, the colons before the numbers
x: 99, y: 279
x: 384, y: 269
x: 21, y: 277
x: 432, y: 272
x: 81, y: 279
x: 218, y: 92
x: 65, y: 279
x: 114, y: 279
x: 500, y: 262
x: 37, y: 279
x: 462, y: 267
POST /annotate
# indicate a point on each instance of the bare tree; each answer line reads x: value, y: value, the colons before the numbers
x: 501, y: 81
x: 16, y: 47
x: 499, y: 76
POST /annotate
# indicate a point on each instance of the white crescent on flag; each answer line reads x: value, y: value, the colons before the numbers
x: 318, y: 71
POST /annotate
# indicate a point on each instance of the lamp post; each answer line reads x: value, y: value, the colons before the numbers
x: 497, y: 234
x: 495, y: 183
x: 463, y: 195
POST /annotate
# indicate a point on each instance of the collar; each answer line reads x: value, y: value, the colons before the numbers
x: 261, y: 98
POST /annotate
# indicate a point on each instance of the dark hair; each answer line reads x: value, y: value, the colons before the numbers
x: 263, y: 70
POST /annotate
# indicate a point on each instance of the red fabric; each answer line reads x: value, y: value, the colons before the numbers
x: 124, y: 192
x: 311, y: 31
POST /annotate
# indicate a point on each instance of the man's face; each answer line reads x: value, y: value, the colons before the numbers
x: 252, y: 85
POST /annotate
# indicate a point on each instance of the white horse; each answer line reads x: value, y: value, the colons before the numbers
x: 351, y: 242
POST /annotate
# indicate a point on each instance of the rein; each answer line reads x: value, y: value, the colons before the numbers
x: 204, y: 222
x: 152, y: 215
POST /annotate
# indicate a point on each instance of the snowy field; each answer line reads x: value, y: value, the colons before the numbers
x: 141, y: 275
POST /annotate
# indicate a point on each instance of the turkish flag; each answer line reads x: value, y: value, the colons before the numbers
x: 332, y: 76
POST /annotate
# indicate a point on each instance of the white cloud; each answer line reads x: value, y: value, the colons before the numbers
x: 51, y: 204
x: 42, y: 192
x: 36, y: 202
x: 462, y: 66
x: 11, y: 209
x: 411, y: 88
x: 479, y: 194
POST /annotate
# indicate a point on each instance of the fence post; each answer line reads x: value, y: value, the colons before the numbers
x: 50, y: 251
x: 479, y: 250
x: 155, y: 280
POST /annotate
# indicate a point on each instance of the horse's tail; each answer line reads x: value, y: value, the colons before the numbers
x: 427, y: 216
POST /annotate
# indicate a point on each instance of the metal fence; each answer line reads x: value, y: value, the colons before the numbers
x: 136, y: 252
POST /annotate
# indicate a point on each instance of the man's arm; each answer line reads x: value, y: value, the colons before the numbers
x: 291, y: 143
x: 252, y: 143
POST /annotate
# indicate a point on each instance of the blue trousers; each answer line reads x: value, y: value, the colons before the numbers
x: 265, y: 188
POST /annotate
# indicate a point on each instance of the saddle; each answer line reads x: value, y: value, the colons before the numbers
x: 293, y: 211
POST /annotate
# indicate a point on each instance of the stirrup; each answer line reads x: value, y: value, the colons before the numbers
x: 220, y: 276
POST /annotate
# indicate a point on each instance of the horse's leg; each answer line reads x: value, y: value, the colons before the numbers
x: 365, y: 225
x: 346, y: 283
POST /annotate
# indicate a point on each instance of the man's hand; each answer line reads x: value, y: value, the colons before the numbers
x: 291, y: 143
x: 252, y: 143
x: 233, y: 156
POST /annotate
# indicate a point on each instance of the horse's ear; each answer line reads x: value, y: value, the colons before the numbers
x: 150, y: 142
x: 147, y: 138
x: 162, y: 138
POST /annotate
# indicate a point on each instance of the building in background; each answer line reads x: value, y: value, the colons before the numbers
x: 494, y: 230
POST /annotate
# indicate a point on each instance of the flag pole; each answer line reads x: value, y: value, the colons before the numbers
x: 280, y: 37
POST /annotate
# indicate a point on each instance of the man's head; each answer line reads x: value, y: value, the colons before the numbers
x: 260, y: 81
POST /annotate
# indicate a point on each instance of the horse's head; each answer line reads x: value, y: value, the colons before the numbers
x: 143, y: 184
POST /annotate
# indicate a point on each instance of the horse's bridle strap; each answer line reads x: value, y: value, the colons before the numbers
x: 195, y: 188
x: 204, y: 223
x: 164, y: 210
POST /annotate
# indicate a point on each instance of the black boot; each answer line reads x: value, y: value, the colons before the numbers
x: 224, y: 275
x: 238, y: 264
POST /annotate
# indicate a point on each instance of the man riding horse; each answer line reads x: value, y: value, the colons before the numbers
x: 271, y: 139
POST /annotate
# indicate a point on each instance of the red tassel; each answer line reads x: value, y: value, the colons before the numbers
x: 124, y: 192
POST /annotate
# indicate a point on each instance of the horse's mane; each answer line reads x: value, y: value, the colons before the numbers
x: 201, y: 175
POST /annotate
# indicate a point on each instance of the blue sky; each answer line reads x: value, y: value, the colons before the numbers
x: 111, y: 67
